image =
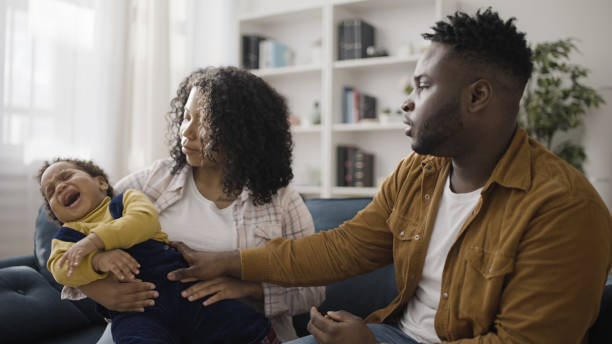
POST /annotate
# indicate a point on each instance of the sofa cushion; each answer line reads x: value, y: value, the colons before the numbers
x: 31, y: 309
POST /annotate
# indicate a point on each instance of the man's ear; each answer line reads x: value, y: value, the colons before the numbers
x: 102, y: 183
x: 481, y: 92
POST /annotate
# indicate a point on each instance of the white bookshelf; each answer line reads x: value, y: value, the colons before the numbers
x: 299, y: 24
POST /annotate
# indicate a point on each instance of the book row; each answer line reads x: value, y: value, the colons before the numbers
x: 357, y: 106
x: 354, y: 167
x: 259, y: 52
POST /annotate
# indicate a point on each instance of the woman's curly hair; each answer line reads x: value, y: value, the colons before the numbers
x: 488, y: 38
x: 246, y: 120
x: 86, y: 166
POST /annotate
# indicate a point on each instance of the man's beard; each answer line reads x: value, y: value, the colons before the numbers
x: 437, y: 130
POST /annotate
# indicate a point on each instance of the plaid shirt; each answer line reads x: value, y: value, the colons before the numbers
x: 284, y: 216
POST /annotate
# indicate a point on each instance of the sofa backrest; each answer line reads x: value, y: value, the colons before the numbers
x: 360, y: 295
x: 45, y: 230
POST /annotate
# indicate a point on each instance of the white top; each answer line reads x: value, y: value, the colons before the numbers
x: 197, y: 221
x: 454, y: 209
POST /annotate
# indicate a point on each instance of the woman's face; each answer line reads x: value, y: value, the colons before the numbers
x: 193, y: 133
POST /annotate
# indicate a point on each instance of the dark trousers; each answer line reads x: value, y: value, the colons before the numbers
x: 174, y: 319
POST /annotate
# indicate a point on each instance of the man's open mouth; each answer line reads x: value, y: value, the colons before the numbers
x: 71, y: 198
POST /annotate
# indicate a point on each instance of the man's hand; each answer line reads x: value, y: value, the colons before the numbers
x: 80, y: 250
x: 118, y: 296
x: 339, y: 327
x: 205, y: 265
x: 118, y: 262
x: 222, y: 288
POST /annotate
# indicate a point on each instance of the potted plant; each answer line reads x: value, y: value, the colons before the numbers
x: 555, y: 98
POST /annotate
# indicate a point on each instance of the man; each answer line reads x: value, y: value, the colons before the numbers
x: 494, y: 239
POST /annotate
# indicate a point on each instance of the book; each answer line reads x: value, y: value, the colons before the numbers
x: 349, y: 171
x: 274, y: 54
x: 341, y: 42
x: 363, y: 37
x: 250, y: 51
x: 354, y: 167
x: 368, y: 107
x: 340, y: 165
x: 363, y: 169
x: 356, y: 108
x: 347, y: 105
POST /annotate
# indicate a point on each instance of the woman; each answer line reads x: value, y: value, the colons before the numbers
x: 225, y: 187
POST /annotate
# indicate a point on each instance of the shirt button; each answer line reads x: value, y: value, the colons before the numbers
x: 417, y: 237
x: 427, y: 197
x: 445, y: 296
x: 402, y: 233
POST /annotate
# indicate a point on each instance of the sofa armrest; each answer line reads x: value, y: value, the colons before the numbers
x: 16, y: 261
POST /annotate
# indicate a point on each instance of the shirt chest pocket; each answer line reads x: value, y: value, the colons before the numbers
x: 403, y: 229
x: 406, y: 235
x: 482, y: 286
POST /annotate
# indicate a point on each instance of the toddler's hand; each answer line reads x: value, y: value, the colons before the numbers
x: 79, y: 251
x: 118, y: 262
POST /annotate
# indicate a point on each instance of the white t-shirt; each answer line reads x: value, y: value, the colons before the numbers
x: 454, y: 209
x: 199, y: 223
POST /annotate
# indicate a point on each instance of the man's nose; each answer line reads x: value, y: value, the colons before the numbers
x: 408, y: 105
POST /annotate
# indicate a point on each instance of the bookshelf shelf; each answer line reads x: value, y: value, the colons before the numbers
x: 375, y: 62
x: 287, y: 71
x: 303, y: 129
x: 310, y: 29
x: 350, y: 127
x: 374, y: 5
x: 339, y: 191
x: 308, y: 189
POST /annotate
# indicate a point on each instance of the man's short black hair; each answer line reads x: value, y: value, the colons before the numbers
x: 488, y: 38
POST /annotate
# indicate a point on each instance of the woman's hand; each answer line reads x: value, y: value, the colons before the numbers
x: 132, y: 296
x: 222, y: 288
x: 205, y: 265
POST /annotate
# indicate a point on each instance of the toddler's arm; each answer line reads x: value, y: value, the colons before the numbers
x: 80, y: 250
x: 138, y: 222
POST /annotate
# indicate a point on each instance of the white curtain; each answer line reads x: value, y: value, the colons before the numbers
x: 61, y: 86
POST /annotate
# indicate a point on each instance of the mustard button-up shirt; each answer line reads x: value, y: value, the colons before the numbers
x: 528, y: 266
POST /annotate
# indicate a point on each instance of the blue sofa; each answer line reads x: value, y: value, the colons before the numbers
x: 31, y: 310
